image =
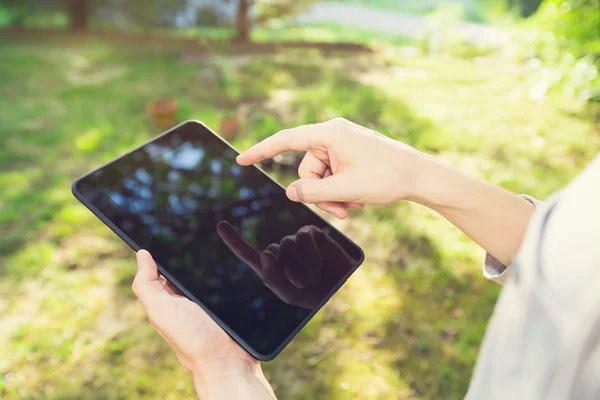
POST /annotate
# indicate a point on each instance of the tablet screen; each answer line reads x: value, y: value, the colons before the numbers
x: 206, y: 220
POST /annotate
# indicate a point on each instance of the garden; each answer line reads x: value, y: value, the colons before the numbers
x: 408, y: 324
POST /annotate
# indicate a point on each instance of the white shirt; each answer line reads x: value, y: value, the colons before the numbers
x: 543, y: 340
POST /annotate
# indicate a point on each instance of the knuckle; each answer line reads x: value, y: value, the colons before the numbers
x: 273, y: 248
x: 302, y: 234
x: 308, y: 230
x: 287, y: 241
x: 304, y: 164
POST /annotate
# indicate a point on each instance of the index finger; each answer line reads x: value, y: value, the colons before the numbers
x: 301, y: 138
x: 240, y: 247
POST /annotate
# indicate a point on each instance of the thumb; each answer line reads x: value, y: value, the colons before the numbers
x: 146, y: 278
x: 333, y: 188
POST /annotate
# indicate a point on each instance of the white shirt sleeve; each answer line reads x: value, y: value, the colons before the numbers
x: 543, y: 340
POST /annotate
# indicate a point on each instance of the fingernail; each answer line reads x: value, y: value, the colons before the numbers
x: 298, y: 284
x: 264, y: 259
x: 293, y: 194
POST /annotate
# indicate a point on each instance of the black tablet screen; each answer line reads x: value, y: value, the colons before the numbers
x: 205, y: 219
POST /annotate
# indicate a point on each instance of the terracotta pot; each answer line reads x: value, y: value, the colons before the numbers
x: 229, y: 128
x: 164, y: 113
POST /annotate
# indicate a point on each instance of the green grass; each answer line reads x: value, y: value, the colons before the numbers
x: 407, y: 324
x: 329, y: 33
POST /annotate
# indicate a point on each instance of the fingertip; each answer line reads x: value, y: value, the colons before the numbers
x: 146, y: 266
x: 341, y: 214
x: 292, y: 193
x: 241, y: 159
x: 224, y: 229
x: 142, y: 256
x: 221, y: 225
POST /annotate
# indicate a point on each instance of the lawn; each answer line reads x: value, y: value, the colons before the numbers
x: 408, y: 324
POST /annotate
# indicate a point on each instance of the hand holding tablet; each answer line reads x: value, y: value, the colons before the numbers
x: 204, y: 218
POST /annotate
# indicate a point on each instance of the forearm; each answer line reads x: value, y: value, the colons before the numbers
x: 491, y: 216
x: 246, y: 383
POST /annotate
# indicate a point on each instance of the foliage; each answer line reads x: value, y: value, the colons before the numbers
x: 573, y: 24
x: 209, y: 17
x: 230, y: 91
x: 151, y: 14
x: 563, y: 38
x: 409, y: 322
x: 441, y: 33
x: 17, y: 11
x: 526, y: 8
x: 145, y: 14
x: 268, y: 10
x: 251, y: 13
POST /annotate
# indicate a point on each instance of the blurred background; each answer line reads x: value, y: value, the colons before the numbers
x: 505, y: 90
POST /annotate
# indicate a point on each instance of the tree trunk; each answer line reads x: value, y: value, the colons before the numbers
x: 78, y: 11
x: 529, y: 7
x: 243, y: 23
x: 526, y: 8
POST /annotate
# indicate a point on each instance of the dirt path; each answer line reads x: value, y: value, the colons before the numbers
x: 384, y: 21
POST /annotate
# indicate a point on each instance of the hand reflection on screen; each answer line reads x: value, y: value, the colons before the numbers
x: 301, y: 269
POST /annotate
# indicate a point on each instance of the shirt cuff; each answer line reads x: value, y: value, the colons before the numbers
x: 493, y: 269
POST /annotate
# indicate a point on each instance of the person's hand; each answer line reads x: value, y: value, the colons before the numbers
x: 199, y: 343
x: 346, y: 165
x: 300, y: 270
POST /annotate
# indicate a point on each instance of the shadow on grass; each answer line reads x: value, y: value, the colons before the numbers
x: 434, y: 335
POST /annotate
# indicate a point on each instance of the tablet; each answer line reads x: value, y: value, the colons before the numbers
x: 225, y: 235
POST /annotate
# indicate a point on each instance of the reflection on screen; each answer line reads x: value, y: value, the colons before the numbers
x: 226, y: 233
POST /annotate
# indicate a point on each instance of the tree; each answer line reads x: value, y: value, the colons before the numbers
x: 149, y: 14
x: 78, y: 12
x: 258, y: 12
x: 526, y: 8
x: 243, y: 21
x: 16, y: 11
x: 575, y: 25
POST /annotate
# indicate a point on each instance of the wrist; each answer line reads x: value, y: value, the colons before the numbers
x: 201, y: 370
x: 439, y: 186
x: 236, y: 379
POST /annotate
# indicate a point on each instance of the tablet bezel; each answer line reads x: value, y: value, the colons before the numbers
x: 256, y: 354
